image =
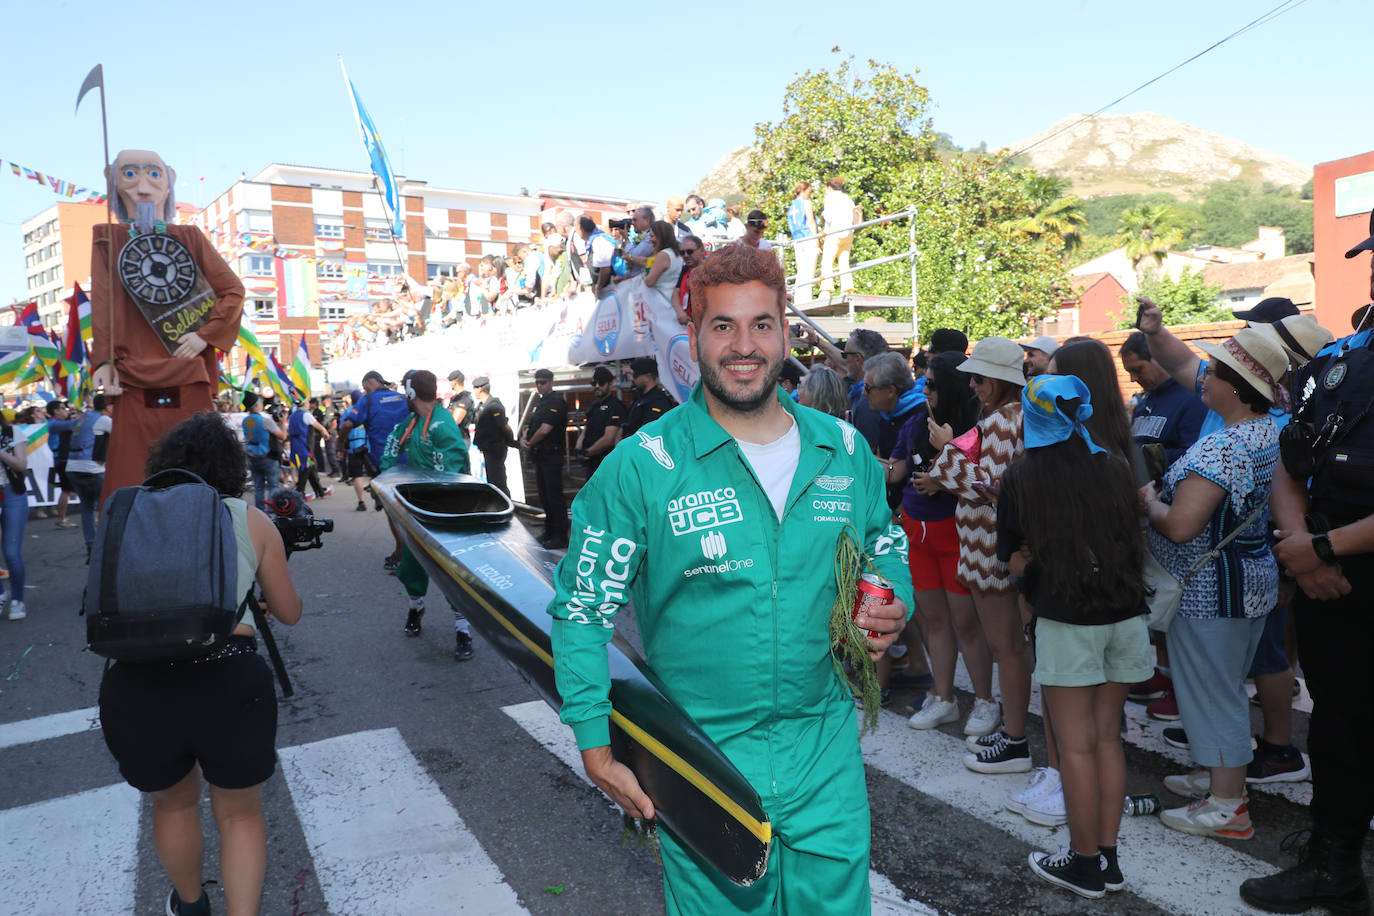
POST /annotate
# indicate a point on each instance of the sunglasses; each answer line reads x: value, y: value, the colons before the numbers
x: 977, y: 379
x: 868, y: 387
x: 758, y: 223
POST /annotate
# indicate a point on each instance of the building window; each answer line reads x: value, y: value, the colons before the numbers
x: 264, y: 308
x: 446, y: 270
x: 384, y: 270
x: 332, y: 313
x: 377, y: 230
x: 255, y: 221
x: 327, y: 269
x: 259, y: 265
x: 329, y: 230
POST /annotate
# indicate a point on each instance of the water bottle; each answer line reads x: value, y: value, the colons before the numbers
x: 1137, y: 805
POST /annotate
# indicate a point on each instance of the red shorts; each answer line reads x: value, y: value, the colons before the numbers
x: 933, y: 552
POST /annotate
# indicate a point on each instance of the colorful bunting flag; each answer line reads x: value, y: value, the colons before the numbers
x: 300, y: 369
x: 58, y: 185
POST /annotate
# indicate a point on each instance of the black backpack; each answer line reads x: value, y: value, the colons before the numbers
x: 146, y: 600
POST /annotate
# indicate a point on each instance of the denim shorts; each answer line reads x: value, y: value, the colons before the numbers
x: 1073, y: 655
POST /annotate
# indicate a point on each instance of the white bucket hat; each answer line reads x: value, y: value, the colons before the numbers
x: 1299, y: 335
x: 996, y: 357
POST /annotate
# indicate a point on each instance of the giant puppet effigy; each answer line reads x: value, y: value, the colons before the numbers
x: 162, y: 302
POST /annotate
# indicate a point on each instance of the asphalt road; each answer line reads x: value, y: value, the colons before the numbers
x: 413, y: 783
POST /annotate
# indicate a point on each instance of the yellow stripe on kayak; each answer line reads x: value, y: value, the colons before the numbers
x: 761, y: 829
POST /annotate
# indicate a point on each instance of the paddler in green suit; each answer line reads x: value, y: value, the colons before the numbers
x: 430, y: 440
x: 721, y: 520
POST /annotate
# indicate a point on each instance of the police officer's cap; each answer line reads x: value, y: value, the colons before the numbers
x: 644, y: 365
x: 602, y: 375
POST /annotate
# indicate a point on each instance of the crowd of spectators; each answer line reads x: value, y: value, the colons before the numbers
x: 573, y: 254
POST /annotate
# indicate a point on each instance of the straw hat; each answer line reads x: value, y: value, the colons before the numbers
x: 996, y: 357
x: 1254, y: 356
x: 1299, y: 335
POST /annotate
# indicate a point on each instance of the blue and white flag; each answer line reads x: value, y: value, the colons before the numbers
x: 381, y: 164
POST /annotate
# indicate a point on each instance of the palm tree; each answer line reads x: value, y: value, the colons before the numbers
x: 1058, y: 218
x: 1149, y: 231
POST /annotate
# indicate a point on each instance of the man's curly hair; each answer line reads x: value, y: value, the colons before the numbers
x: 204, y: 445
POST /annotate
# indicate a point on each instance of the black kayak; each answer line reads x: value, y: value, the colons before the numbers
x: 462, y: 530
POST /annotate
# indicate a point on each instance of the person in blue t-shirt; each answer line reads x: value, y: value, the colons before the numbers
x: 298, y: 435
x: 1166, y: 413
x: 381, y: 408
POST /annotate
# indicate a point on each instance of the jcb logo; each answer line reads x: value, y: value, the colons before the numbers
x: 713, y: 545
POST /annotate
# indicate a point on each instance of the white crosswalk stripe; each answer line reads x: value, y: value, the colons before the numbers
x: 42, y: 728
x: 542, y: 724
x: 384, y: 838
x: 77, y: 849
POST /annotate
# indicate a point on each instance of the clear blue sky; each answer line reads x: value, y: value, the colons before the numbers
x: 496, y: 96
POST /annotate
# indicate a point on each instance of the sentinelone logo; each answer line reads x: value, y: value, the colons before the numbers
x: 702, y: 510
x: 713, y: 547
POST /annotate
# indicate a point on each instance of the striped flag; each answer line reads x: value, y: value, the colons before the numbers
x: 79, y: 330
x: 40, y: 346
x: 32, y: 373
x: 249, y: 341
x: 300, y: 369
x: 280, y: 381
x: 12, y: 362
x: 298, y: 294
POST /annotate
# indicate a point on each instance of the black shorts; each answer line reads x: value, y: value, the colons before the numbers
x: 358, y: 464
x: 57, y: 477
x: 160, y: 721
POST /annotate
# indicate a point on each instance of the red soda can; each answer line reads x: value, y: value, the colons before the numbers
x: 873, y: 590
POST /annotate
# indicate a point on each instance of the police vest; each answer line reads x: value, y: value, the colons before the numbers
x: 1336, y: 394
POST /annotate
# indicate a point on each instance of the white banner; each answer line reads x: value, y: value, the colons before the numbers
x: 630, y: 320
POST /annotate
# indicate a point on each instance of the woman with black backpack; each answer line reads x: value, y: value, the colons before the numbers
x: 170, y: 723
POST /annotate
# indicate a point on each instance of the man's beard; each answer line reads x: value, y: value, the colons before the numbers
x: 145, y: 215
x: 714, y: 380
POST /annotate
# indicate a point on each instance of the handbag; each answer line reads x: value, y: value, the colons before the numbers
x: 1166, y: 589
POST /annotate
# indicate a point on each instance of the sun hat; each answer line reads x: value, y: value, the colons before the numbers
x: 1299, y: 335
x: 996, y: 357
x: 1053, y: 408
x: 1256, y: 357
x: 1046, y: 345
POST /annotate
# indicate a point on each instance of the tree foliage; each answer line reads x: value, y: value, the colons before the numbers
x: 1188, y: 299
x: 975, y: 269
x: 1232, y: 211
x: 1148, y: 232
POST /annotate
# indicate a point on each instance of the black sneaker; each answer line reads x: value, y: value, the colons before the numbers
x: 1112, y: 879
x: 1069, y: 870
x: 362, y: 507
x: 1176, y: 737
x: 413, y: 616
x: 1276, y: 763
x: 390, y: 563
x: 1006, y: 756
x: 462, y: 647
x: 175, y: 906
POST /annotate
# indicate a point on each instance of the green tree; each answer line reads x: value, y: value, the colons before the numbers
x: 1188, y: 299
x: 1234, y: 210
x: 1149, y: 231
x: 974, y: 272
x: 1058, y: 219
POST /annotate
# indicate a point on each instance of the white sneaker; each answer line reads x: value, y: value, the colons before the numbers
x: 1042, y: 780
x: 1204, y: 817
x: 1190, y: 785
x: 934, y: 711
x: 17, y: 610
x: 984, y: 719
x: 1047, y: 809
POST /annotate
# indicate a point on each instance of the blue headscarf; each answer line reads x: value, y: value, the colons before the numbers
x: 1045, y: 404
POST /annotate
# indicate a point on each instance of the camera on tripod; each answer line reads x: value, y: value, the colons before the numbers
x: 297, y: 525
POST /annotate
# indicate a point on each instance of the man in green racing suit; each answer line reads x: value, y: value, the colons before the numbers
x: 722, y: 521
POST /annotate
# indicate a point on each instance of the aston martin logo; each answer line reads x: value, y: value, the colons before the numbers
x: 834, y: 484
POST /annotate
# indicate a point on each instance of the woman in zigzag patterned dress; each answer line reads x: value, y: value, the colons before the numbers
x: 994, y: 371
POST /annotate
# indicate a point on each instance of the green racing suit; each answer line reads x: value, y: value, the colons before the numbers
x: 733, y: 606
x: 433, y: 445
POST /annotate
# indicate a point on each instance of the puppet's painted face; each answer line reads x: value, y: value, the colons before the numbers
x: 141, y: 176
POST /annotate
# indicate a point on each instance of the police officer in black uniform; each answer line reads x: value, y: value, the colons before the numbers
x: 653, y: 401
x: 492, y: 433
x: 1323, y: 505
x: 605, y: 419
x: 461, y: 405
x: 544, y: 440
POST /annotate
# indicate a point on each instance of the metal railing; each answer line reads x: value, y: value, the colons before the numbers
x: 908, y: 255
